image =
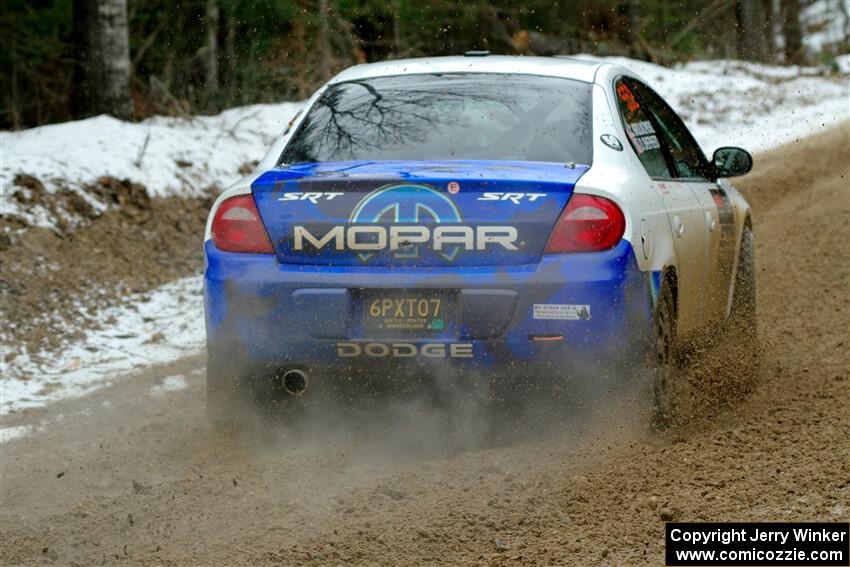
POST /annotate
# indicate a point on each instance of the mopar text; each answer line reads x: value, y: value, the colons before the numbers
x: 372, y: 237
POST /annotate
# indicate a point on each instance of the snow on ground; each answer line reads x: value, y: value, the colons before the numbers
x: 173, y: 383
x: 151, y: 329
x: 9, y: 433
x: 725, y: 103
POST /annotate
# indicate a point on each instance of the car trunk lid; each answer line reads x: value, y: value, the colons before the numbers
x: 467, y: 213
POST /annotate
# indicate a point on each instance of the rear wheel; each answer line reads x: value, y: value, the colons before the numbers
x: 740, y: 334
x: 743, y: 315
x: 663, y: 359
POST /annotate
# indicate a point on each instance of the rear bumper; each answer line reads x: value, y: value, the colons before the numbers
x: 280, y: 315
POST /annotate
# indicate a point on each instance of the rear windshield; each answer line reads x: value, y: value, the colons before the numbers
x: 447, y: 117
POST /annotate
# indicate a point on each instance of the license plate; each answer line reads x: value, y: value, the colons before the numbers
x: 414, y: 312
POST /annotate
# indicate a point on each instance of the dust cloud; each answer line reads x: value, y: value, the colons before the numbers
x: 458, y: 473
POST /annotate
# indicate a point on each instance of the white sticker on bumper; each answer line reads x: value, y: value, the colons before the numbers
x: 561, y: 311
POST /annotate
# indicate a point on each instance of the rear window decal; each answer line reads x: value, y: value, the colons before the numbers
x: 650, y: 142
x: 642, y: 143
x: 642, y: 128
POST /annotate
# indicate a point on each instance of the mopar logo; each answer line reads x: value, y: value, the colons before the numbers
x: 408, y: 203
x: 399, y: 218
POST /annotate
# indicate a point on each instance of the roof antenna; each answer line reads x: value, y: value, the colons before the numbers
x: 476, y: 53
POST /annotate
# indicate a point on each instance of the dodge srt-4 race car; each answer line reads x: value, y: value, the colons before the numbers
x: 500, y: 215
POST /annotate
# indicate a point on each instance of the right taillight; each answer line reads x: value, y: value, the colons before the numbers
x: 237, y: 227
x: 588, y: 224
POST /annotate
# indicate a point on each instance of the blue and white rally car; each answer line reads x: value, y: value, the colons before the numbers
x: 513, y: 215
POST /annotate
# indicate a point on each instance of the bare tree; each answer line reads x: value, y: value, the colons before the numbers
x: 102, y: 73
x: 398, y: 41
x: 211, y: 48
x: 631, y: 28
x: 845, y: 10
x: 326, y: 59
x: 229, y: 51
x: 770, y: 31
x: 750, y: 31
x: 792, y: 31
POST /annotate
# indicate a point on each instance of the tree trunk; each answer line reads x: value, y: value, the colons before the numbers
x: 770, y: 30
x: 792, y: 31
x: 230, y: 54
x: 397, y: 38
x: 102, y: 73
x: 324, y: 40
x: 751, y: 32
x: 211, y: 51
x: 846, y: 12
x: 15, y: 114
x: 631, y: 28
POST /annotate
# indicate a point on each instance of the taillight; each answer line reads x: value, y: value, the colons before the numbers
x: 237, y: 227
x: 588, y: 224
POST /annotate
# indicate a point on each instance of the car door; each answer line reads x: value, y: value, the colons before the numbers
x: 690, y: 166
x: 684, y: 210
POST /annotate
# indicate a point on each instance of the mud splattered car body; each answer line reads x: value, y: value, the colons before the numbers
x: 481, y: 212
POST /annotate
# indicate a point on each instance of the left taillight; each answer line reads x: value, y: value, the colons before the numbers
x: 237, y: 227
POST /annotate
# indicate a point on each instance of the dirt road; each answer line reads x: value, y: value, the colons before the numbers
x: 132, y: 475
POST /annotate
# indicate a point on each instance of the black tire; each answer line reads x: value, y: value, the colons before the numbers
x: 663, y: 359
x: 740, y: 334
x: 743, y: 315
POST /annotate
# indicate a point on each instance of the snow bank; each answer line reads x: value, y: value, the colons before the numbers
x: 725, y: 103
x: 169, y: 156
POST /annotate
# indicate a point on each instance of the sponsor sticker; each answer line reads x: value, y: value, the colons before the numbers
x: 612, y: 142
x: 454, y: 187
x: 561, y: 311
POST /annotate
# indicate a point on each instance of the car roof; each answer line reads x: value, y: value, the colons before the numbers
x: 560, y: 66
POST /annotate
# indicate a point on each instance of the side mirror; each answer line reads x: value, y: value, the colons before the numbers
x: 731, y: 161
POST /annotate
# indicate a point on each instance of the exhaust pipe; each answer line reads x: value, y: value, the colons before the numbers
x: 294, y: 382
